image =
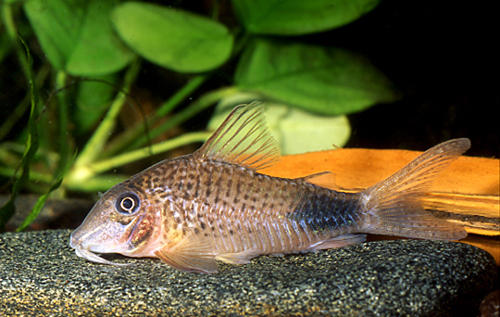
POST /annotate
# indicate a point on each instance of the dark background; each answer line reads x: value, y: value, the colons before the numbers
x: 439, y: 56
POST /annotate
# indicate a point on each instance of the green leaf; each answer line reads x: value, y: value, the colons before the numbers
x: 293, y: 17
x: 296, y: 130
x: 93, y: 99
x: 173, y: 38
x: 77, y: 35
x: 325, y: 80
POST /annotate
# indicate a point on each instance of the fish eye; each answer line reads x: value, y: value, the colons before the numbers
x: 127, y: 203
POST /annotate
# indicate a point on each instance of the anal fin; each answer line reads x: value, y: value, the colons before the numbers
x: 339, y: 241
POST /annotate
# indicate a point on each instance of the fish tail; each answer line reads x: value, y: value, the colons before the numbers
x: 394, y: 206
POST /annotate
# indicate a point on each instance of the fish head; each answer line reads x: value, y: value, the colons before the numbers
x: 123, y: 221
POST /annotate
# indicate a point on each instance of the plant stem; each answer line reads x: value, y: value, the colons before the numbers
x: 7, y: 158
x: 215, y: 10
x: 130, y: 134
x: 33, y: 176
x: 144, y: 152
x: 15, y: 115
x: 63, y: 139
x: 8, y: 209
x: 96, y: 143
x: 19, y: 111
x: 180, y: 95
x: 99, y: 183
x: 84, y: 179
x: 240, y: 42
x: 197, y: 106
x: 11, y: 29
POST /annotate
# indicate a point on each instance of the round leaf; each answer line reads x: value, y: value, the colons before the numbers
x: 172, y: 38
x: 319, y: 79
x: 76, y: 35
x: 293, y: 17
x: 303, y: 131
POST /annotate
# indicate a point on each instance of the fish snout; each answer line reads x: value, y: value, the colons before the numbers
x: 86, y: 250
x: 74, y: 240
x: 91, y: 241
x: 80, y: 239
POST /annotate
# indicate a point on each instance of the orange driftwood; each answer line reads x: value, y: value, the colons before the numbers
x: 467, y: 192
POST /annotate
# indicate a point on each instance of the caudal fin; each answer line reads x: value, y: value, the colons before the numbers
x: 393, y: 206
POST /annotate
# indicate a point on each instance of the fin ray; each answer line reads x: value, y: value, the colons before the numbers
x: 242, y: 139
x: 339, y: 241
x: 393, y: 206
x: 243, y: 257
x: 189, y: 254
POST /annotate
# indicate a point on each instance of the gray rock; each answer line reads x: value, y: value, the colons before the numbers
x: 41, y: 275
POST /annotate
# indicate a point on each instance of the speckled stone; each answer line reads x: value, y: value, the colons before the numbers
x: 41, y: 275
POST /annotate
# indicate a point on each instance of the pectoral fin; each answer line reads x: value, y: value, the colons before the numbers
x: 189, y: 255
x: 188, y: 263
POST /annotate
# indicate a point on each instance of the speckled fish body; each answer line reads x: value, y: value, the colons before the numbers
x: 215, y: 205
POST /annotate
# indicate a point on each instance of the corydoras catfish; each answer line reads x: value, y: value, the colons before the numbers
x: 215, y: 205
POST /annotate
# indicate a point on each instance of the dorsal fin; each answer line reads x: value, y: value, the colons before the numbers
x: 243, y: 139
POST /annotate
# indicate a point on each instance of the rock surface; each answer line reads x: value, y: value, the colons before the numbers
x: 41, y: 275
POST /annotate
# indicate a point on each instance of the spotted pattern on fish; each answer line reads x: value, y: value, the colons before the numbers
x: 294, y: 215
x: 214, y: 204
